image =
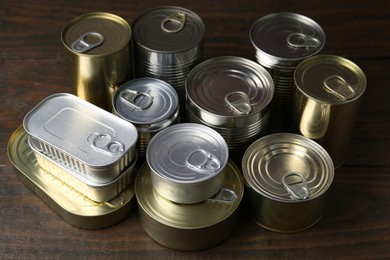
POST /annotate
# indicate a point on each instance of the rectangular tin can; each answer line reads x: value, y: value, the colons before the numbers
x: 98, y: 192
x: 99, y: 47
x: 73, y: 206
x: 327, y: 94
x: 79, y: 135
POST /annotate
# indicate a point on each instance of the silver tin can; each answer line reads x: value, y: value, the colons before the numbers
x: 327, y: 94
x: 100, y: 54
x: 82, y: 136
x: 280, y: 42
x: 189, y: 227
x: 167, y: 45
x: 188, y: 162
x: 98, y: 192
x: 287, y: 177
x: 150, y: 105
x: 232, y: 95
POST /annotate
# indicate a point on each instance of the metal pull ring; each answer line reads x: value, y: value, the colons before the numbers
x: 104, y: 143
x: 300, y: 40
x: 174, y: 22
x: 241, y: 105
x: 87, y: 42
x: 136, y: 99
x: 296, y: 185
x: 339, y: 87
x: 203, y: 161
x: 224, y: 195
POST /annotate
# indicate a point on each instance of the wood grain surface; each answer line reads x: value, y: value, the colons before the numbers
x: 356, y: 221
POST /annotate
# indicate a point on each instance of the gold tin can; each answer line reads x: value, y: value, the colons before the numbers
x: 189, y: 227
x: 100, y: 53
x: 327, y: 94
x: 73, y: 206
x: 287, y: 177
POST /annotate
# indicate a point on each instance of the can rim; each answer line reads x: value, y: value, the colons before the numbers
x: 91, y: 14
x: 332, y: 59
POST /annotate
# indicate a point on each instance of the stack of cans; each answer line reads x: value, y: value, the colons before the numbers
x: 280, y: 42
x: 167, y: 45
x: 188, y: 192
x: 84, y: 146
x: 150, y: 105
x: 232, y: 95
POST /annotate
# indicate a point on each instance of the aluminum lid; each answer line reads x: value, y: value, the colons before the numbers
x: 187, y: 153
x: 168, y: 29
x: 286, y: 37
x: 330, y: 79
x: 96, y: 34
x: 230, y: 87
x: 146, y: 101
x: 78, y: 128
x: 287, y: 167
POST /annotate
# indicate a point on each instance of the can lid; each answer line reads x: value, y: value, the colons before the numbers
x: 287, y: 36
x: 287, y: 167
x: 330, y: 79
x: 168, y: 29
x: 96, y: 34
x: 190, y: 216
x: 187, y: 153
x: 230, y: 86
x: 146, y: 101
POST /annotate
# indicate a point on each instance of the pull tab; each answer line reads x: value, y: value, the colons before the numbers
x: 224, y: 195
x: 203, y: 161
x: 136, y: 99
x: 174, y: 22
x: 241, y: 103
x: 87, y: 41
x: 296, y: 187
x: 104, y: 143
x: 339, y: 87
x: 300, y: 40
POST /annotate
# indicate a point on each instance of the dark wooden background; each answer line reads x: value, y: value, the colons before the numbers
x: 356, y: 222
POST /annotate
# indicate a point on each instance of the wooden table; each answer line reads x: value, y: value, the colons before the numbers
x: 356, y: 221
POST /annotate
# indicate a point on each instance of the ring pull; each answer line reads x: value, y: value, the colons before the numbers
x: 224, y: 195
x: 239, y: 102
x: 339, y: 87
x: 87, y: 42
x: 301, y: 40
x: 136, y: 99
x: 296, y: 185
x: 174, y: 22
x: 203, y: 161
x: 104, y: 143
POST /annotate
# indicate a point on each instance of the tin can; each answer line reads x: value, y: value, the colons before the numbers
x: 287, y: 177
x: 167, y: 45
x: 188, y: 162
x: 280, y: 42
x: 100, y: 54
x: 150, y: 105
x: 71, y: 205
x: 232, y: 95
x: 98, y: 192
x: 327, y: 93
x: 79, y: 135
x: 189, y: 227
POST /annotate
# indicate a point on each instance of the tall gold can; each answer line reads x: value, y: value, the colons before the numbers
x: 326, y: 98
x: 100, y: 55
